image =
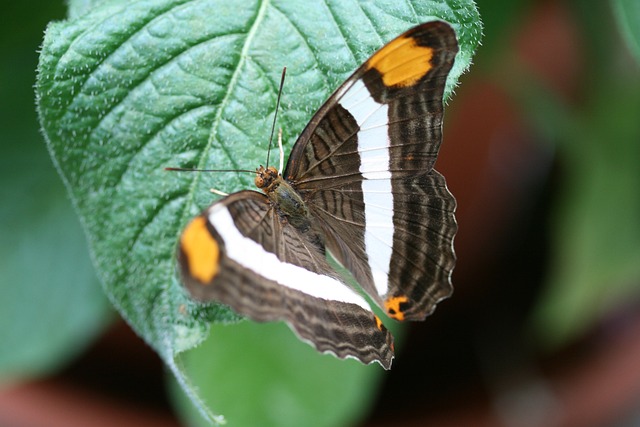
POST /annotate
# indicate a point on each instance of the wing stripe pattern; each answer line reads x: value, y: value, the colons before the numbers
x: 373, y: 149
x: 397, y: 247
x: 268, y: 270
x: 251, y: 255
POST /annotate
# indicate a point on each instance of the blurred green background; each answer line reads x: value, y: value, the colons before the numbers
x: 542, y: 145
x: 51, y: 305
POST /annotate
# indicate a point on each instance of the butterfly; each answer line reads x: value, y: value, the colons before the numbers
x: 360, y: 185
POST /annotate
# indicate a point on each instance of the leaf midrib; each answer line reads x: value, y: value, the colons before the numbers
x: 222, y: 105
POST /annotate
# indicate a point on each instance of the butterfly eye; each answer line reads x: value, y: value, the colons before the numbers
x: 259, y: 181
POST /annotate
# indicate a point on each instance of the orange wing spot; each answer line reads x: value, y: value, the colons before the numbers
x: 392, y: 306
x: 402, y: 62
x: 201, y: 251
x: 378, y: 323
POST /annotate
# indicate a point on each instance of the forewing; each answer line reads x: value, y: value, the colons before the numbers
x: 386, y: 117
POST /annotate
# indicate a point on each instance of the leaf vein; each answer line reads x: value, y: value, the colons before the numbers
x: 102, y: 61
x: 225, y: 100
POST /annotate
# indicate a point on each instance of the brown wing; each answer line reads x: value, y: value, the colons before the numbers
x: 364, y: 166
x: 241, y: 253
x: 422, y: 255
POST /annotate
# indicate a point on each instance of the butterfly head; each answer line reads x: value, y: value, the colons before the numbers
x: 267, y: 178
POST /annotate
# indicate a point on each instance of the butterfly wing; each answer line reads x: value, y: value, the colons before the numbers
x: 241, y: 253
x: 364, y: 166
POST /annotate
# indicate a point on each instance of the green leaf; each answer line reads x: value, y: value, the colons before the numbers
x: 51, y: 304
x: 277, y: 382
x: 127, y: 90
x: 627, y: 14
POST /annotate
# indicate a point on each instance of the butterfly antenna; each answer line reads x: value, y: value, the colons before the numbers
x: 275, y: 115
x: 209, y: 170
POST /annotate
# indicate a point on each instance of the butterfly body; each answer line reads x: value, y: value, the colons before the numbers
x: 284, y: 198
x: 359, y: 184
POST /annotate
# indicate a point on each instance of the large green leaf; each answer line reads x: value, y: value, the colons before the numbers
x: 128, y: 88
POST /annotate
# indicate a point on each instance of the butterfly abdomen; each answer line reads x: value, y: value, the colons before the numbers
x: 291, y: 206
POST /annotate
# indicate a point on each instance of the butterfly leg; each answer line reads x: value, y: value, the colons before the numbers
x: 218, y: 192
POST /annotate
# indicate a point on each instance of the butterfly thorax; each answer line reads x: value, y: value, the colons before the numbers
x: 286, y: 200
